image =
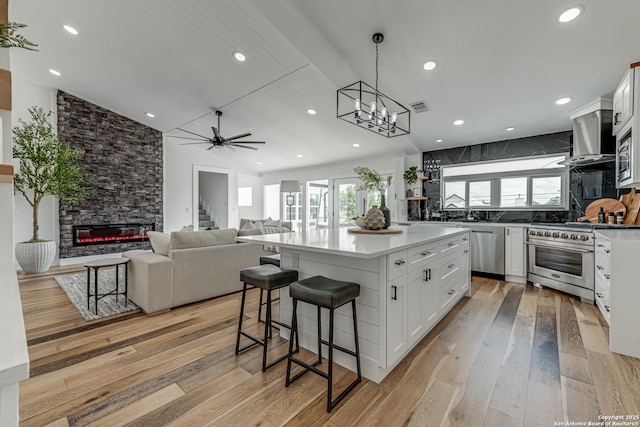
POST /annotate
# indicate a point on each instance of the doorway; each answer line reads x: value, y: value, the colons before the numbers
x: 212, y: 198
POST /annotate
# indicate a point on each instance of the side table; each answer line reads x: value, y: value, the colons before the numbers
x: 97, y: 265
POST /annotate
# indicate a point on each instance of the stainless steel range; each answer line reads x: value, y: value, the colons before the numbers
x: 562, y: 257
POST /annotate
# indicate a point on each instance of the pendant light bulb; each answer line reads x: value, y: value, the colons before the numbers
x: 357, y: 104
x: 384, y: 114
x: 394, y: 117
x: 373, y: 108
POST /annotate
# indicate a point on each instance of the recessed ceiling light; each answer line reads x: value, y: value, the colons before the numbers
x: 258, y: 163
x: 311, y: 111
x: 438, y: 140
x: 458, y: 122
x: 356, y: 145
x: 239, y: 56
x: 299, y: 155
x: 71, y: 30
x: 564, y: 100
x: 570, y: 14
x: 509, y: 129
x: 54, y: 72
x: 150, y: 115
x: 430, y: 65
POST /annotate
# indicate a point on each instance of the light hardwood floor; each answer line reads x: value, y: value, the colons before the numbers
x: 511, y: 355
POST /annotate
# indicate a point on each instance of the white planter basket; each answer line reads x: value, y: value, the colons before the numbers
x: 35, y: 257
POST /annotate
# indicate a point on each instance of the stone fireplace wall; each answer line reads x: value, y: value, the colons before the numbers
x: 125, y: 159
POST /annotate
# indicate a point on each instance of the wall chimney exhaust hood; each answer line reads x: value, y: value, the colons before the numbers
x: 593, y: 140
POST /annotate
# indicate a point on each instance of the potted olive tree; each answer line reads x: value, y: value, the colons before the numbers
x: 48, y: 167
x: 373, y: 182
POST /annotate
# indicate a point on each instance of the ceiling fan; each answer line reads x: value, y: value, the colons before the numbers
x: 218, y: 141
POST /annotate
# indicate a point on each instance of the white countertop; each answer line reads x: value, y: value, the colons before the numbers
x: 622, y: 234
x: 14, y: 357
x: 339, y: 241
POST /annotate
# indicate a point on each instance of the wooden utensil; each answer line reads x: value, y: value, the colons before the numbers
x: 608, y: 205
x: 628, y: 200
x: 633, y: 209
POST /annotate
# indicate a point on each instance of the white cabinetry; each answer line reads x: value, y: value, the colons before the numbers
x: 616, y: 259
x: 515, y: 265
x: 423, y: 283
x: 623, y: 101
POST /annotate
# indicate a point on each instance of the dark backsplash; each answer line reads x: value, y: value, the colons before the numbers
x: 586, y: 183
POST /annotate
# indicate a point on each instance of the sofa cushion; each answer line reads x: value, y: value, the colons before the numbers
x: 159, y: 242
x: 225, y: 237
x: 255, y: 222
x: 249, y: 229
x: 192, y: 239
x: 274, y: 230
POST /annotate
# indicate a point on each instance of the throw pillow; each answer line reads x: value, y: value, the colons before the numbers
x: 159, y: 242
x: 192, y: 239
x: 272, y: 223
x: 255, y: 222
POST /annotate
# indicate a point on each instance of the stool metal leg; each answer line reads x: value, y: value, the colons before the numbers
x: 267, y: 329
x: 244, y: 294
x: 355, y: 333
x: 319, y: 335
x: 330, y: 368
x: 260, y: 307
x: 126, y: 283
x: 294, y: 332
x: 117, y: 283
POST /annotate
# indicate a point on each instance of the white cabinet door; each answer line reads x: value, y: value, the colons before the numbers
x: 514, y: 252
x: 422, y: 303
x: 623, y: 101
x: 396, y: 319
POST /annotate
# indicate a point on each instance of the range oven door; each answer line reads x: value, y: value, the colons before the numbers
x: 561, y: 263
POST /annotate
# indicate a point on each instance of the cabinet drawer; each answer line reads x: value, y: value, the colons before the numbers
x: 421, y: 255
x: 447, y: 291
x: 397, y: 264
x: 449, y: 266
x: 450, y: 245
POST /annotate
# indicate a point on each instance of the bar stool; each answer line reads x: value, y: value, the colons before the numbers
x: 266, y: 277
x: 270, y: 259
x: 331, y: 294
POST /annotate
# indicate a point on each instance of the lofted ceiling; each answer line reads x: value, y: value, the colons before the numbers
x: 500, y: 64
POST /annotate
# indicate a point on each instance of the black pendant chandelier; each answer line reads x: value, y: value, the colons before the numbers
x: 368, y: 108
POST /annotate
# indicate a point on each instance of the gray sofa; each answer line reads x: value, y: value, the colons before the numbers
x: 188, y: 266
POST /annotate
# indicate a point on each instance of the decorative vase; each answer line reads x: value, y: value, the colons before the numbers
x: 409, y: 193
x: 35, y: 257
x: 360, y: 222
x: 375, y: 219
x: 385, y: 212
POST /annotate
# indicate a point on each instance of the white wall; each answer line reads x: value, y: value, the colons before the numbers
x: 25, y: 96
x: 214, y: 194
x: 255, y: 210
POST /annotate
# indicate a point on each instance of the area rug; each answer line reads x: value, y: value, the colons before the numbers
x: 75, y: 286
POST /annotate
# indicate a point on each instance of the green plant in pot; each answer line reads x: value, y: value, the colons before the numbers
x: 411, y: 176
x: 373, y: 182
x: 48, y: 167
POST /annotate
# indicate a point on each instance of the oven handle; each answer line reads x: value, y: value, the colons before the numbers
x: 580, y: 251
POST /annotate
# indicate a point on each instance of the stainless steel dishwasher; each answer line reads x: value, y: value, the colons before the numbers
x: 487, y: 248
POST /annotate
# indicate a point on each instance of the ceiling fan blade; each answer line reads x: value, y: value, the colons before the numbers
x: 238, y: 136
x: 241, y: 146
x: 215, y: 132
x: 188, y: 137
x: 212, y: 147
x: 195, y: 143
x: 193, y: 133
x: 249, y: 142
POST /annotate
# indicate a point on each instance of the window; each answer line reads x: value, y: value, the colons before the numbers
x: 245, y: 196
x: 480, y: 194
x: 526, y: 183
x: 454, y: 195
x: 513, y: 192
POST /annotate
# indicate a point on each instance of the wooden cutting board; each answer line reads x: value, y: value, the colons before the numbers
x: 608, y: 205
x: 629, y: 200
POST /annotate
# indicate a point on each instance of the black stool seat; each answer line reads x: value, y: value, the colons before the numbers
x: 268, y: 276
x: 328, y: 293
x: 270, y: 259
x: 325, y: 292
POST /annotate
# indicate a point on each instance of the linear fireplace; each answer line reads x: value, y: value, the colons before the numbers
x: 101, y: 234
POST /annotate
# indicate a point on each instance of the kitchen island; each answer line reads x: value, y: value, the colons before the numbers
x: 408, y: 282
